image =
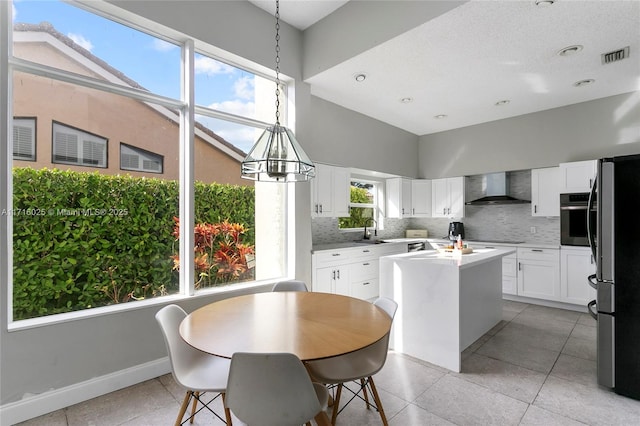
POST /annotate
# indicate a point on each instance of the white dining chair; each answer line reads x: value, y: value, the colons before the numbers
x: 194, y: 370
x: 358, y: 366
x: 290, y: 285
x: 273, y: 389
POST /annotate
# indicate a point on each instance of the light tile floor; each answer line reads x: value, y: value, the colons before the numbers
x: 537, y: 367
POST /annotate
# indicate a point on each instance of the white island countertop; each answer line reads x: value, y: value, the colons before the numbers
x: 446, y: 301
x: 455, y: 258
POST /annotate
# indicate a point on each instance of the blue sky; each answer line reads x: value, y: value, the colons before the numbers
x: 151, y: 62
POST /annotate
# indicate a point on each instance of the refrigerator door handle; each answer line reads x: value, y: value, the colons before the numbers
x: 592, y: 312
x: 591, y: 226
x: 592, y: 281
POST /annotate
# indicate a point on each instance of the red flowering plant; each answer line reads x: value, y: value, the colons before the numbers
x: 220, y: 255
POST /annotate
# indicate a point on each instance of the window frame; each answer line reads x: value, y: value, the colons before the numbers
x: 187, y: 109
x: 34, y: 139
x: 141, y: 152
x: 377, y: 209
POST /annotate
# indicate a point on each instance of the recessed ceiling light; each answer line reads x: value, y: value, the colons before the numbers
x: 440, y: 116
x: 406, y: 100
x: 502, y: 102
x: 360, y: 77
x: 545, y: 3
x: 585, y: 82
x: 570, y: 50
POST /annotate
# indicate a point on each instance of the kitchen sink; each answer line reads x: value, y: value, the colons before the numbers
x: 369, y: 241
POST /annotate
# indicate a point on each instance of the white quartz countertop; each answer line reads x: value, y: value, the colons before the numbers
x: 454, y: 259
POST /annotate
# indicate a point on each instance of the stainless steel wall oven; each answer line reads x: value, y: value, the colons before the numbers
x: 574, y: 215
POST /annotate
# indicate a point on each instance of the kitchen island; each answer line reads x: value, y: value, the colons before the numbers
x: 446, y: 301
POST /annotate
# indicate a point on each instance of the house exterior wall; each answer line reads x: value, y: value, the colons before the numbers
x: 115, y: 118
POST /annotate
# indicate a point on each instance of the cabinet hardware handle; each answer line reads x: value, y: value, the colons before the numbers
x: 535, y: 208
x: 519, y: 266
x: 489, y: 247
x: 590, y: 182
x: 403, y: 210
x: 444, y: 210
x: 366, y: 283
x: 366, y: 264
x: 321, y: 208
x: 316, y: 208
x: 338, y: 273
x: 334, y: 274
x: 413, y: 211
x: 537, y: 250
x: 365, y: 251
x: 335, y: 254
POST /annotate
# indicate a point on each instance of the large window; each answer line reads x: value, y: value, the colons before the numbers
x: 97, y: 221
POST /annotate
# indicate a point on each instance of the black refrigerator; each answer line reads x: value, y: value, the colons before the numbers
x: 615, y: 242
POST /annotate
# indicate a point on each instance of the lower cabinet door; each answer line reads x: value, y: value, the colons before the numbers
x: 367, y: 289
x: 538, y: 279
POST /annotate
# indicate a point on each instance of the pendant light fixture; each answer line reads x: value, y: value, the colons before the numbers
x: 276, y: 156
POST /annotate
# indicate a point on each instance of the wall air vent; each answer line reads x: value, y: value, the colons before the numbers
x: 616, y: 55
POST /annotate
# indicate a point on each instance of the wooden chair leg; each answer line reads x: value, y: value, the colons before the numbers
x: 376, y: 398
x: 363, y: 386
x: 227, y: 412
x: 183, y: 408
x: 336, y: 405
x: 194, y: 406
x: 322, y: 419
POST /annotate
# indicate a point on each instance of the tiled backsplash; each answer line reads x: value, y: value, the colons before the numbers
x: 510, y: 222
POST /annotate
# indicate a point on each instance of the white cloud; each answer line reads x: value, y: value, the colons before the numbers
x: 237, y: 107
x: 204, y: 65
x: 163, y: 46
x: 244, y: 87
x: 80, y: 40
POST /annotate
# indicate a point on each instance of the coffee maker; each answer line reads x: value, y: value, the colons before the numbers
x: 455, y: 229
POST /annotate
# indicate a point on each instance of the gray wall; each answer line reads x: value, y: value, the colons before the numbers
x: 343, y: 137
x: 589, y: 130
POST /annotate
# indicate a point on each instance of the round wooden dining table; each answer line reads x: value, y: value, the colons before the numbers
x: 308, y: 324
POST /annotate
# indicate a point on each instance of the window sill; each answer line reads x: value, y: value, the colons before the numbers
x: 48, y: 320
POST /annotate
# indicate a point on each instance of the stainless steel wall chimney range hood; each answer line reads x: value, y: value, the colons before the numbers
x: 496, y: 191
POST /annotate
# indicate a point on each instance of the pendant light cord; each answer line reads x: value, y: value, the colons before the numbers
x: 278, y: 62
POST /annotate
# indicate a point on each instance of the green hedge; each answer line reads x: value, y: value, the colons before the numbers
x: 83, y: 240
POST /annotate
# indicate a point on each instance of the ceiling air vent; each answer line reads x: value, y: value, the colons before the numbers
x: 616, y: 55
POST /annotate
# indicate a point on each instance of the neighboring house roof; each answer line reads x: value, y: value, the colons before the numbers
x: 119, y: 77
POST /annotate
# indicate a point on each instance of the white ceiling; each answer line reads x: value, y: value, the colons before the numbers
x: 300, y: 13
x: 464, y: 61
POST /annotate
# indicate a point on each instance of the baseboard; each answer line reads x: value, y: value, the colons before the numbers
x: 548, y: 303
x: 47, y: 402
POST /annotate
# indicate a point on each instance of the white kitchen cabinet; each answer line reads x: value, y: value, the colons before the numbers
x: 398, y: 198
x: 330, y: 191
x: 447, y: 197
x: 576, y: 264
x: 577, y: 176
x: 421, y: 198
x: 539, y: 273
x: 352, y: 271
x: 545, y: 192
x: 332, y: 279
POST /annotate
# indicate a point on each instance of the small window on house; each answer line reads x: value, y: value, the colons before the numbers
x: 363, y: 206
x: 24, y: 139
x: 140, y: 160
x: 74, y: 146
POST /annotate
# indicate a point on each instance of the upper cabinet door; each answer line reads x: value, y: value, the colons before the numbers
x: 421, y: 198
x: 456, y: 196
x: 321, y: 191
x: 398, y: 198
x: 577, y: 176
x: 341, y: 191
x: 447, y: 197
x: 545, y: 192
x: 439, y: 197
